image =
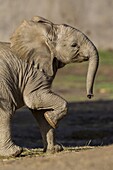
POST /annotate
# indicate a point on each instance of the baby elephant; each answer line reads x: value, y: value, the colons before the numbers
x: 28, y: 65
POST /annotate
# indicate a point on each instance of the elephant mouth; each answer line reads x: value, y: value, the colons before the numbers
x: 78, y: 58
x: 86, y: 58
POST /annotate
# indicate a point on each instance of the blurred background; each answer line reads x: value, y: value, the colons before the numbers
x: 88, y: 122
x: 95, y: 18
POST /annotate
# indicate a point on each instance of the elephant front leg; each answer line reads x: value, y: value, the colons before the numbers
x: 47, y: 132
x: 56, y: 105
x: 7, y: 147
x: 57, y: 108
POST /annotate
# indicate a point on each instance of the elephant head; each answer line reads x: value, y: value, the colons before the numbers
x: 40, y: 41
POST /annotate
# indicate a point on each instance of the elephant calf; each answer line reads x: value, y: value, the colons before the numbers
x: 28, y: 65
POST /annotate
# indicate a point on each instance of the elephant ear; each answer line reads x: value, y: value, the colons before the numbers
x: 31, y: 42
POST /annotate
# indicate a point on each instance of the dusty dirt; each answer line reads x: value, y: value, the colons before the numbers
x: 93, y: 159
x: 84, y: 133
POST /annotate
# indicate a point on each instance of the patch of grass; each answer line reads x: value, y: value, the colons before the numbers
x: 38, y: 153
x: 26, y: 153
x: 69, y: 81
x: 78, y: 148
x: 106, y: 57
x: 105, y: 87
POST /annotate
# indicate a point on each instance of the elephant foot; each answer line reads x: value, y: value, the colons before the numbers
x: 12, y: 151
x: 51, y: 119
x: 54, y: 149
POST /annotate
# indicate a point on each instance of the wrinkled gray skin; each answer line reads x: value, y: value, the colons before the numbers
x: 27, y: 68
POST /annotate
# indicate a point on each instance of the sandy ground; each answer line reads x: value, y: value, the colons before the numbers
x: 94, y: 159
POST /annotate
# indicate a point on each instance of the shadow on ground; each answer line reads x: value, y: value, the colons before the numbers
x: 88, y: 123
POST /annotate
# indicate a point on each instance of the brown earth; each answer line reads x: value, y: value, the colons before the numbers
x: 93, y: 159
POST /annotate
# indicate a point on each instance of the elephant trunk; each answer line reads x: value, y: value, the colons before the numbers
x: 92, y: 69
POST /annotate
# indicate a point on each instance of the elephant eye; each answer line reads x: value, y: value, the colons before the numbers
x: 74, y: 45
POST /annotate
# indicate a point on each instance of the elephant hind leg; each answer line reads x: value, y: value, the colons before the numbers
x: 7, y: 147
